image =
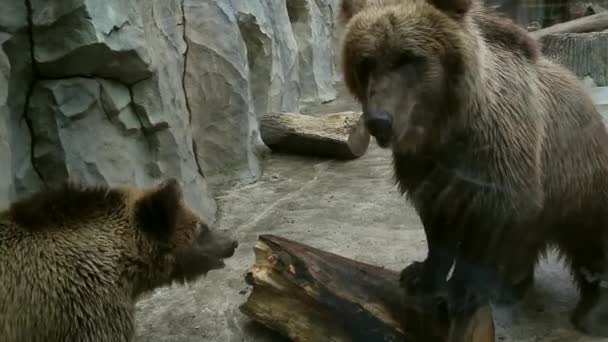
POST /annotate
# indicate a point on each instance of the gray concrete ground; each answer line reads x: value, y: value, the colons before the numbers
x: 350, y: 208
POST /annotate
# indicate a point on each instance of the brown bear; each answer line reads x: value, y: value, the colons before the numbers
x: 501, y: 152
x: 74, y: 260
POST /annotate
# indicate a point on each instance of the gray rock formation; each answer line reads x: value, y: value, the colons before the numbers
x: 17, y: 175
x: 95, y: 115
x: 134, y: 91
x: 315, y: 49
x: 90, y: 38
x: 217, y: 84
x: 5, y: 147
x: 161, y: 104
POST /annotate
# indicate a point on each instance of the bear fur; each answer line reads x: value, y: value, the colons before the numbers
x: 74, y: 260
x: 500, y: 150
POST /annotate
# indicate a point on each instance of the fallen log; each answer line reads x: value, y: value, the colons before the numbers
x: 310, y: 295
x: 582, y: 8
x: 335, y: 135
x: 590, y: 23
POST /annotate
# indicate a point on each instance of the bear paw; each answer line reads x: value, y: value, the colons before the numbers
x: 510, y: 295
x: 411, y: 277
x: 591, y: 316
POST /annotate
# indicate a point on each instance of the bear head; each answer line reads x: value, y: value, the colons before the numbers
x: 152, y: 237
x: 190, y: 248
x: 407, y: 64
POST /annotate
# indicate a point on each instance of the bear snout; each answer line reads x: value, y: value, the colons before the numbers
x: 380, y: 126
x: 229, y: 249
x: 218, y: 245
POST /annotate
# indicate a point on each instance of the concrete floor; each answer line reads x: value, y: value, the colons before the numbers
x: 350, y: 208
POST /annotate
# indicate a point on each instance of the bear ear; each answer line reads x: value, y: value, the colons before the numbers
x: 456, y: 9
x: 156, y: 212
x: 348, y: 9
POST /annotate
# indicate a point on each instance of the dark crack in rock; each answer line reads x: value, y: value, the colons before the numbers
x: 17, y: 174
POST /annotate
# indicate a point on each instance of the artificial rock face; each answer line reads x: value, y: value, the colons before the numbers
x: 75, y: 259
x: 189, y: 78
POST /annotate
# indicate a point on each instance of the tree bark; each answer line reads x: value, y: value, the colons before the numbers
x: 336, y: 135
x: 586, y: 54
x: 310, y: 295
x: 591, y: 23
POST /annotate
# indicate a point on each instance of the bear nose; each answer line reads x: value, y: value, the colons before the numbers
x: 235, y: 244
x: 379, y: 122
x: 380, y: 125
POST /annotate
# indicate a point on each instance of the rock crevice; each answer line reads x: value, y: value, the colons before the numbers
x: 30, y: 88
x: 185, y: 63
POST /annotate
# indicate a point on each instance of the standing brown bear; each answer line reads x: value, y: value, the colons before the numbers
x: 74, y: 260
x: 501, y: 151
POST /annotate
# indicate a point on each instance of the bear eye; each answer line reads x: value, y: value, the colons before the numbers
x: 366, y: 64
x: 403, y: 59
x: 365, y: 68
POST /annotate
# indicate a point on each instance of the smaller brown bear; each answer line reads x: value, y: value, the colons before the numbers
x: 74, y: 260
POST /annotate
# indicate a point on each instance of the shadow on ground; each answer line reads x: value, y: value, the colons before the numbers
x: 349, y: 208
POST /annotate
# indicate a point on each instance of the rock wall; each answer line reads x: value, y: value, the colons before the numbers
x: 132, y: 91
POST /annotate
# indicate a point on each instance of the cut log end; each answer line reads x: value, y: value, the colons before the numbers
x: 585, y: 54
x: 307, y: 294
x: 335, y: 135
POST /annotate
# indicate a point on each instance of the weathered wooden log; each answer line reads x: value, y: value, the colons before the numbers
x: 586, y: 54
x: 310, y: 295
x: 591, y: 23
x: 582, y: 8
x: 335, y: 135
